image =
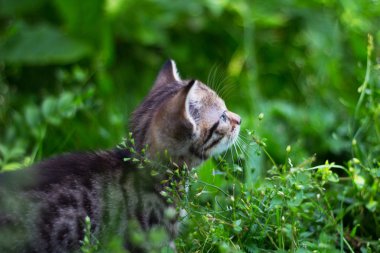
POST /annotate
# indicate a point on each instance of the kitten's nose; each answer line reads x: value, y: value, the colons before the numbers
x: 239, y: 121
x: 234, y: 118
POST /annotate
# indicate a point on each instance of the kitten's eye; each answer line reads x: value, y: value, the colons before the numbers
x: 223, y: 117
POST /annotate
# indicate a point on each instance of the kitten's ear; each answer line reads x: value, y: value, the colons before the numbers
x: 191, y: 103
x: 168, y: 74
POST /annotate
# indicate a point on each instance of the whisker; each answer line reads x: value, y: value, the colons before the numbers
x: 243, y: 144
x: 242, y: 155
x: 244, y: 141
x: 243, y: 138
x: 222, y: 159
x: 232, y: 155
x: 214, y: 83
x: 246, y: 138
x: 243, y: 150
x: 217, y: 81
x: 220, y: 80
x: 239, y: 162
x: 225, y: 95
x: 228, y: 85
x: 224, y: 81
x: 210, y: 76
x: 228, y: 90
x: 240, y: 144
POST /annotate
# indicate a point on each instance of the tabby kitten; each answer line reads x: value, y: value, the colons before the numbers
x: 43, y: 208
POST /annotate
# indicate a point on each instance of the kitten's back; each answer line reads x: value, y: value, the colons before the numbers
x: 43, y: 208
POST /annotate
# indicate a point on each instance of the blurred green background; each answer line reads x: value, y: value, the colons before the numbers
x: 72, y: 72
x: 75, y: 70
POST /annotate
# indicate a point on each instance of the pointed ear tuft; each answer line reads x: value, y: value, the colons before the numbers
x: 168, y: 74
x: 175, y: 70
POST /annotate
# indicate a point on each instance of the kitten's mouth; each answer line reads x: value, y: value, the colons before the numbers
x: 234, y: 136
x: 227, y: 142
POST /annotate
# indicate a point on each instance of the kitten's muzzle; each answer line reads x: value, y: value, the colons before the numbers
x: 234, y: 118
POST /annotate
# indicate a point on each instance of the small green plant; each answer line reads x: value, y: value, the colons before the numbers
x: 287, y: 210
x: 89, y: 244
x: 297, y: 208
x: 28, y: 126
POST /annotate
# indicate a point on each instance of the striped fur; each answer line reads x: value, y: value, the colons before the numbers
x: 43, y: 208
x: 183, y: 117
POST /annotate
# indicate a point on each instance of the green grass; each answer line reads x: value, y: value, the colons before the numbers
x: 293, y: 207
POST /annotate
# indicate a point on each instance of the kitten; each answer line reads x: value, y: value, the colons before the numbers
x: 43, y: 208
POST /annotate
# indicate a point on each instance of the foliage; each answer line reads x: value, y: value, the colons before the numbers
x: 71, y: 72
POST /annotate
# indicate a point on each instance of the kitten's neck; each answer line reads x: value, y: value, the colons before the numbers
x: 182, y: 161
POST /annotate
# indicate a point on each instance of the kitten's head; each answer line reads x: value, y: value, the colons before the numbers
x: 185, y: 118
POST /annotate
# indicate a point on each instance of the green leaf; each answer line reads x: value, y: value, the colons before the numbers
x: 48, y: 107
x: 41, y: 45
x: 296, y: 200
x: 32, y: 116
x: 276, y: 202
x: 333, y: 177
x: 359, y: 181
x: 49, y: 110
x: 237, y: 226
x: 66, y: 104
x: 371, y: 205
x: 353, y: 232
x: 11, y: 166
